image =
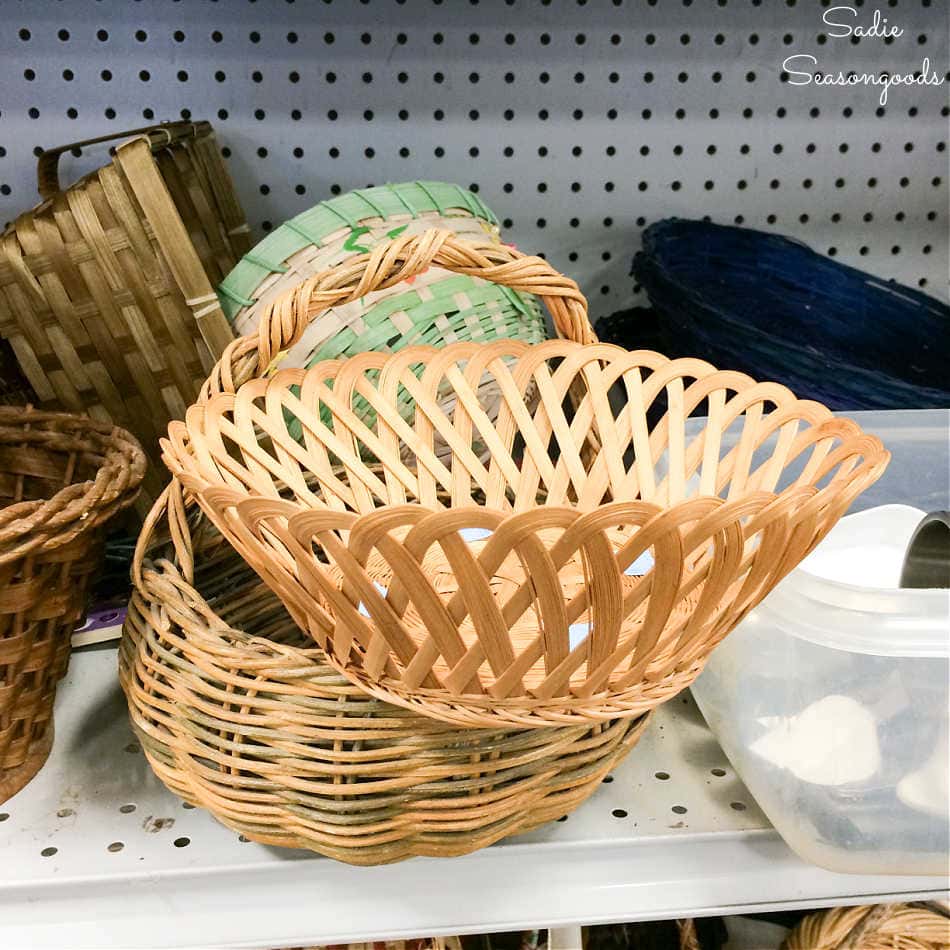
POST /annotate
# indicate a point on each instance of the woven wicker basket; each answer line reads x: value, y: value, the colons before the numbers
x: 549, y: 613
x: 239, y: 713
x: 106, y: 288
x: 61, y: 478
x: 434, y: 307
x: 770, y: 306
x: 878, y: 927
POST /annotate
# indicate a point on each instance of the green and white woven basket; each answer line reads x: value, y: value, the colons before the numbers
x: 437, y: 308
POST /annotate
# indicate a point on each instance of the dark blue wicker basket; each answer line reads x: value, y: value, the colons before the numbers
x: 775, y: 309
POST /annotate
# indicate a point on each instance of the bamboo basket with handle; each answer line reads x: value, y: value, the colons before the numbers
x: 238, y: 712
x: 106, y: 287
x: 583, y: 567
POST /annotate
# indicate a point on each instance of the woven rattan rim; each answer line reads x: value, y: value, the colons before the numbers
x: 314, y: 226
x: 436, y: 307
x: 40, y: 525
x: 284, y: 320
x: 876, y: 927
x: 718, y: 556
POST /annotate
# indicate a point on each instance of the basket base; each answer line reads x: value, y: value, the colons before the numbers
x: 12, y: 780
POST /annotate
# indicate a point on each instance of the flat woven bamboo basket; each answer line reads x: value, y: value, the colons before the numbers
x: 877, y: 927
x: 106, y: 288
x: 582, y: 568
x: 61, y: 478
x: 239, y: 713
x: 433, y: 307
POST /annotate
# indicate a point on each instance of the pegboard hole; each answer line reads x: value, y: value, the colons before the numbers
x: 619, y: 813
x: 49, y: 852
x: 719, y: 773
x: 679, y: 809
x: 127, y: 808
x: 4, y: 815
x: 662, y: 776
x: 116, y: 846
x: 737, y: 806
x: 182, y: 842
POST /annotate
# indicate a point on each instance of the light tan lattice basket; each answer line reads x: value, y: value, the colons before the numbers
x: 525, y: 596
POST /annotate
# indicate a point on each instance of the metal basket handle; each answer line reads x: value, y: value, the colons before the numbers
x: 160, y: 136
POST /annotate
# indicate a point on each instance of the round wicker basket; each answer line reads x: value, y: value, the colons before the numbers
x: 62, y: 477
x: 603, y: 561
x: 240, y: 714
x: 434, y: 307
x: 877, y: 927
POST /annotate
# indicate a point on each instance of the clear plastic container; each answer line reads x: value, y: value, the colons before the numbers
x: 831, y: 698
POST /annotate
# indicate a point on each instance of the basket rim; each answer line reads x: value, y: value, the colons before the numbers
x: 45, y: 523
x: 311, y: 228
x: 683, y: 228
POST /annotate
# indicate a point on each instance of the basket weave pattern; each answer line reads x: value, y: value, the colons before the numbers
x: 437, y: 307
x: 538, y: 611
x: 239, y: 713
x: 106, y: 291
x: 433, y: 306
x: 61, y: 478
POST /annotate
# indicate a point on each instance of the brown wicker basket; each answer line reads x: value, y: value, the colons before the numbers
x: 240, y: 714
x: 106, y: 288
x: 550, y: 612
x: 61, y: 478
x: 877, y: 927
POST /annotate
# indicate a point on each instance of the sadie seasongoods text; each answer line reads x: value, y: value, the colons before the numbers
x: 843, y: 22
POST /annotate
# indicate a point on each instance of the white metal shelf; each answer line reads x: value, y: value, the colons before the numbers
x: 96, y: 853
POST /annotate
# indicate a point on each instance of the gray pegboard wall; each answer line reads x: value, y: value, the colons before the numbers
x: 578, y: 122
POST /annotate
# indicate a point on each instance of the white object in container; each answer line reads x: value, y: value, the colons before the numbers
x: 831, y: 701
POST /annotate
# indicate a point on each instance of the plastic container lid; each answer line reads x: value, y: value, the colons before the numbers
x: 845, y: 594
